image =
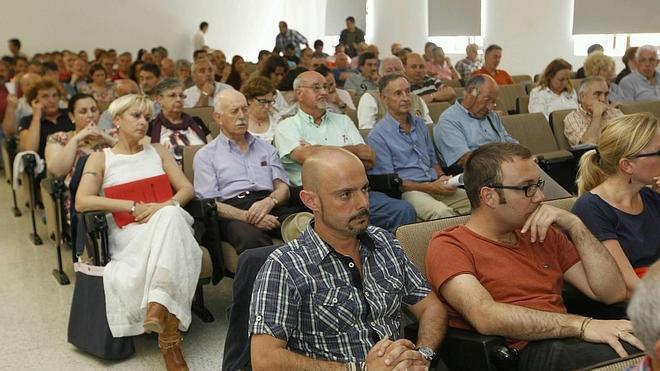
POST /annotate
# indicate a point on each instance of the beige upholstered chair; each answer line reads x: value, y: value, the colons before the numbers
x: 206, y: 114
x: 652, y: 107
x: 522, y: 79
x: 453, y: 83
x: 557, y: 125
x: 522, y: 104
x: 436, y: 109
x: 506, y: 100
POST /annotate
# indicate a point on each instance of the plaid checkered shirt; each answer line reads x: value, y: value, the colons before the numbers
x: 315, y: 299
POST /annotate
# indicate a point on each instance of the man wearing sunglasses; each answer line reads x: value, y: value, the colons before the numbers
x: 502, y: 272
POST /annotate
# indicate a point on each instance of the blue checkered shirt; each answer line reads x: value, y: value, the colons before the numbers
x: 314, y: 298
x: 290, y: 37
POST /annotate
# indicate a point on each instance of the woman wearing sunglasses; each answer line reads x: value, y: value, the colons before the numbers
x: 616, y: 202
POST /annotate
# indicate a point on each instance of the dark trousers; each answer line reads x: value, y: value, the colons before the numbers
x: 566, y: 354
x: 245, y: 236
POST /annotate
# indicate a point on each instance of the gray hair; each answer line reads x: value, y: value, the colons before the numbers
x: 586, y: 83
x: 644, y: 308
x: 475, y: 82
x: 388, y: 59
x: 387, y: 79
x: 218, y: 101
x: 182, y: 63
x: 297, y: 82
x: 646, y: 48
x: 167, y: 84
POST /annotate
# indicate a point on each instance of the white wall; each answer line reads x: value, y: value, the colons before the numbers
x: 236, y: 26
x: 532, y: 32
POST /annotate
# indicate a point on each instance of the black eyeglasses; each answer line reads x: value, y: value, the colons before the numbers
x: 317, y: 88
x: 656, y: 153
x: 530, y: 189
x: 264, y: 101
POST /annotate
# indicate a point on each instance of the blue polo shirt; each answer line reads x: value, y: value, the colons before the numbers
x: 411, y: 155
x: 458, y: 132
x: 636, y: 87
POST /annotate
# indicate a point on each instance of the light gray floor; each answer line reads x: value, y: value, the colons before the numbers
x: 35, y: 310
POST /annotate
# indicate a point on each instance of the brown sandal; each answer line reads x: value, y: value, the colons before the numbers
x: 169, y: 343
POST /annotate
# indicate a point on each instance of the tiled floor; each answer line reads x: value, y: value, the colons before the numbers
x: 34, y: 310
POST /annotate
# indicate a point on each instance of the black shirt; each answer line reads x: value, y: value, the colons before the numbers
x: 63, y: 123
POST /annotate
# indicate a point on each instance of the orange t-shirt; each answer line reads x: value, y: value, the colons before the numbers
x: 501, y: 77
x: 528, y: 275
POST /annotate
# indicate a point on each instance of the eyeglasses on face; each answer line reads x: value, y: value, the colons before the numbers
x: 530, y: 189
x: 656, y: 153
x: 264, y: 102
x: 175, y: 95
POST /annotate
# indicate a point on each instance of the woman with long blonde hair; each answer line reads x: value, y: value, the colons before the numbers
x: 615, y: 201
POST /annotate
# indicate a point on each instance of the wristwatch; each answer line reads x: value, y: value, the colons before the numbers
x: 427, y: 353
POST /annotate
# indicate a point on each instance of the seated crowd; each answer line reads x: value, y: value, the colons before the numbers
x: 286, y: 143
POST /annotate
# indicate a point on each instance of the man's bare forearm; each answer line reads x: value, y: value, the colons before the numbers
x: 602, y: 273
x: 432, y: 327
x: 226, y: 211
x: 516, y: 322
x: 283, y: 359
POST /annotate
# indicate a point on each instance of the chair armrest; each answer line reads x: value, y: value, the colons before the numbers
x: 201, y: 208
x: 54, y: 186
x: 96, y: 228
x: 469, y: 350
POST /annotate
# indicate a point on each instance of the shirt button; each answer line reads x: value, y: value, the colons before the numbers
x: 351, y: 264
x: 334, y: 300
x: 373, y: 324
x: 258, y: 318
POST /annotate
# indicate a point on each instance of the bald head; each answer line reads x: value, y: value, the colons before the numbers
x: 125, y: 87
x: 227, y: 99
x: 28, y: 80
x: 328, y: 163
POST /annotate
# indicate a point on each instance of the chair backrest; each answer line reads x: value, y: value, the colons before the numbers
x: 453, y: 83
x: 188, y: 157
x: 652, y: 107
x: 562, y: 203
x: 206, y: 114
x: 103, y: 106
x: 522, y: 79
x: 576, y: 83
x: 436, y: 109
x: 460, y: 92
x: 532, y: 131
x: 507, y: 97
x: 364, y: 133
x: 529, y: 87
x: 522, y: 104
x: 557, y: 126
x: 414, y: 238
x: 353, y: 116
x: 616, y: 364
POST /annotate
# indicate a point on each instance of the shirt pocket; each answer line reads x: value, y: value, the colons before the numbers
x: 334, y: 309
x: 389, y: 294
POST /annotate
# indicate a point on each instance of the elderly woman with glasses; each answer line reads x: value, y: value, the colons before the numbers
x: 616, y: 202
x: 173, y: 128
x: 260, y: 94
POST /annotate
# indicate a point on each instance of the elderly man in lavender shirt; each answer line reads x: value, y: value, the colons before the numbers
x: 245, y: 176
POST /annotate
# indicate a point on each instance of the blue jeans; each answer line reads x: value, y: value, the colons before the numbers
x: 389, y: 213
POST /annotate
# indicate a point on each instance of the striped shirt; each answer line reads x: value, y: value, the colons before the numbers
x: 577, y: 122
x: 466, y: 66
x: 282, y: 40
x: 427, y: 86
x: 315, y: 299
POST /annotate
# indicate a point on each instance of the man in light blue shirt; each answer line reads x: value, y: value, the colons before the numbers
x: 643, y: 84
x: 312, y: 127
x: 467, y: 125
x: 403, y: 146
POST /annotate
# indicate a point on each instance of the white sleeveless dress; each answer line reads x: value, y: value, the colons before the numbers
x: 158, y: 261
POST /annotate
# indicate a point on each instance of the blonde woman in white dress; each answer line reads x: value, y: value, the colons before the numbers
x: 155, y: 261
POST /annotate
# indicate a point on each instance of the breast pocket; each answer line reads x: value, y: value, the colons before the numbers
x: 389, y: 294
x: 335, y: 309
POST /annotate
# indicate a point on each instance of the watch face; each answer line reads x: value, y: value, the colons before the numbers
x: 427, y: 352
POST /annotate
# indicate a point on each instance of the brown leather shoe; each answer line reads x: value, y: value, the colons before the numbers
x: 155, y: 319
x: 169, y: 343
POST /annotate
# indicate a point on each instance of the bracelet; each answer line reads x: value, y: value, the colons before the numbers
x: 275, y: 202
x: 132, y: 210
x: 585, y: 322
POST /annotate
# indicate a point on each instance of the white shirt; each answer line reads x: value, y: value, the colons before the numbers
x: 546, y: 101
x: 345, y: 97
x: 367, y: 112
x: 269, y: 134
x: 199, y: 41
x: 193, y: 93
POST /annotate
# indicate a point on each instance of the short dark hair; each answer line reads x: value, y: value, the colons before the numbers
x: 362, y: 59
x: 151, y: 67
x: 198, y: 52
x: 323, y: 70
x: 290, y: 46
x: 287, y: 81
x: 387, y: 79
x: 203, y: 25
x: 318, y: 42
x: 492, y: 47
x: 16, y: 42
x: 350, y: 19
x: 484, y: 166
x: 75, y: 98
x: 95, y: 67
x: 49, y: 66
x: 263, y: 53
x: 272, y: 63
x: 595, y: 47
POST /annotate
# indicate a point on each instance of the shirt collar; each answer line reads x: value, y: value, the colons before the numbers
x: 319, y: 249
x: 225, y: 141
x: 396, y: 124
x: 309, y: 119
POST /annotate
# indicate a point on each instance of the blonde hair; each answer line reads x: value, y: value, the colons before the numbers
x: 123, y: 104
x: 621, y: 137
x: 597, y: 62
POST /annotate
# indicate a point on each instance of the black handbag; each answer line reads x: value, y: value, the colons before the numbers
x: 88, y: 323
x: 390, y: 184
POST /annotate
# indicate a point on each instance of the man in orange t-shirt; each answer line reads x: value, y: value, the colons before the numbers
x: 502, y: 272
x: 492, y: 57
